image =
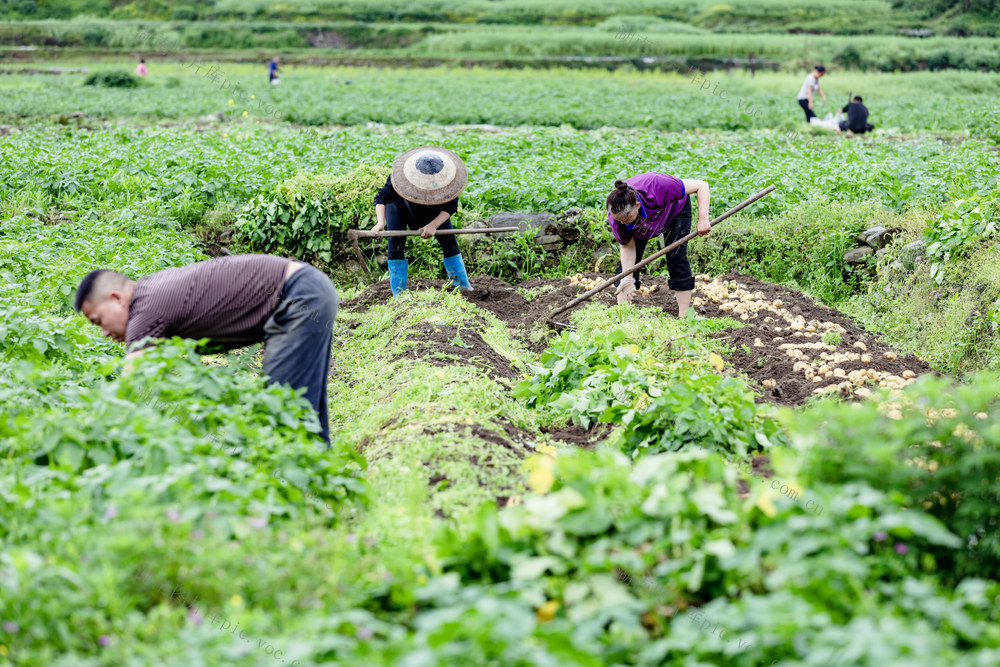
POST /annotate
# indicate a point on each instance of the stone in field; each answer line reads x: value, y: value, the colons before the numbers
x: 858, y: 256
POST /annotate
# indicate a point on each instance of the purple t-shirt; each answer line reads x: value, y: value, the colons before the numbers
x: 663, y: 198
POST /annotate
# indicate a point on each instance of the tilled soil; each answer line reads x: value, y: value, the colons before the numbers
x: 443, y: 345
x: 788, y: 339
x: 579, y: 436
x: 781, y: 347
x: 517, y: 441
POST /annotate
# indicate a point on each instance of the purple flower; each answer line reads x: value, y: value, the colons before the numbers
x: 110, y: 513
x: 351, y: 538
x: 197, y: 534
x: 104, y: 640
x: 901, y: 548
x: 364, y: 633
x: 194, y: 618
x: 880, y: 536
x: 11, y: 627
x: 173, y: 515
x: 258, y: 522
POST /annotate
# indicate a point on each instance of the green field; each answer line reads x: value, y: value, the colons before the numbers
x: 499, y: 493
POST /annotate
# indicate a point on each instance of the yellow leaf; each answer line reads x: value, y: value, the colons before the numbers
x: 634, y: 349
x: 546, y: 449
x: 547, y: 611
x: 439, y: 375
x: 541, y: 480
x: 236, y: 601
x: 716, y: 361
x: 765, y: 505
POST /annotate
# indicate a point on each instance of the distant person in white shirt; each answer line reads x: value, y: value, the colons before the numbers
x: 809, y: 87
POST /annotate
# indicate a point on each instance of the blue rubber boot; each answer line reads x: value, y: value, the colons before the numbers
x: 398, y: 268
x: 456, y: 271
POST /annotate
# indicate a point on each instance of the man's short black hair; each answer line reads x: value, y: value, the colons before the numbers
x: 90, y: 282
x: 86, y: 286
x: 857, y: 98
x: 820, y: 68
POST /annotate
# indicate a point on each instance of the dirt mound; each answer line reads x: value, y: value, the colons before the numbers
x: 505, y: 301
x: 511, y: 445
x: 579, y: 436
x: 793, y: 348
x: 790, y: 347
x: 443, y: 345
x: 380, y: 293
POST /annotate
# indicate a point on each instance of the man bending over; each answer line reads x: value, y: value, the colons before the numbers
x: 234, y: 302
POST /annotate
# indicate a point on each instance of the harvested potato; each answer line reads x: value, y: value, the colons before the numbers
x: 866, y: 358
x: 907, y: 374
x: 860, y: 345
x: 891, y: 356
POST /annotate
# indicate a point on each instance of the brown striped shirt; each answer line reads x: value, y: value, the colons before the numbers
x: 226, y: 300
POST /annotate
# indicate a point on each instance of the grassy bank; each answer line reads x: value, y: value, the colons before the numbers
x: 527, y: 44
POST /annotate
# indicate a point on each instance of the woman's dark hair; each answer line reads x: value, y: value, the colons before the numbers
x: 820, y: 68
x: 622, y: 199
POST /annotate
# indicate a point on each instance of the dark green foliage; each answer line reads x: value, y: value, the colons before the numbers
x: 113, y: 80
x: 664, y: 394
x: 804, y: 249
x: 936, y: 449
x: 629, y: 557
x: 308, y: 216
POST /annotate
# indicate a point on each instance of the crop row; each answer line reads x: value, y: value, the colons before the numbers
x: 953, y: 104
x: 526, y: 169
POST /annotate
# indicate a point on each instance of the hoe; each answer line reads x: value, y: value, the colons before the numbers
x: 354, y: 234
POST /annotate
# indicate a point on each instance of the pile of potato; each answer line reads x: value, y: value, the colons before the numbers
x: 590, y: 283
x: 816, y: 360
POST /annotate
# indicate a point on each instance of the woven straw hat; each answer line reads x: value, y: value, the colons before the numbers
x: 429, y: 175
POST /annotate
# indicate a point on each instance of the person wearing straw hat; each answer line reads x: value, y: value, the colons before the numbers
x: 646, y: 206
x: 422, y: 192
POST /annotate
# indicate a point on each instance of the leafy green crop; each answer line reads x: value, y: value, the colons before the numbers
x: 934, y: 448
x: 113, y: 80
x: 961, y: 223
x: 662, y: 392
x: 308, y: 217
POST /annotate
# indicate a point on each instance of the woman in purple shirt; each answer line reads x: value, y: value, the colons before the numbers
x: 648, y: 205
